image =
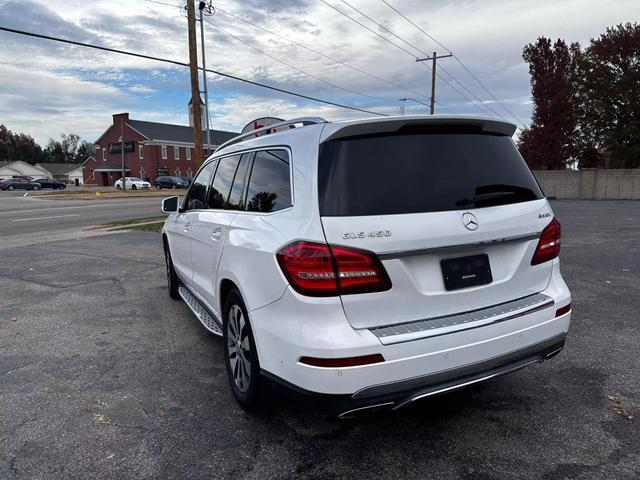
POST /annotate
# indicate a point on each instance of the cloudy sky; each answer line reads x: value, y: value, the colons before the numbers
x: 47, y: 89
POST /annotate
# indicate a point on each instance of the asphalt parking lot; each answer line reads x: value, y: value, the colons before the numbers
x: 103, y: 376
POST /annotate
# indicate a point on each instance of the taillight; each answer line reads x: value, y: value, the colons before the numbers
x: 321, y: 270
x: 549, y: 244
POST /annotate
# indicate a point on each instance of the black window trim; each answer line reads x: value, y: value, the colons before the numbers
x: 183, y: 207
x: 253, y: 150
x: 250, y: 171
x: 213, y: 178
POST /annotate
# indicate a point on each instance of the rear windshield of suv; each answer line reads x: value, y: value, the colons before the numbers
x: 421, y: 172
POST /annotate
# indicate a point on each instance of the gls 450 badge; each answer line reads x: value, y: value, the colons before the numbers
x: 374, y: 234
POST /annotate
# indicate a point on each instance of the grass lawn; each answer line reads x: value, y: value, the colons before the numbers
x: 149, y: 224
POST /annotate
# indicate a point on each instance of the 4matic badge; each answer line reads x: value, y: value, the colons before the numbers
x: 374, y: 234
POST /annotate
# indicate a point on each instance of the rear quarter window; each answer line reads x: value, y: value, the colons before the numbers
x: 269, y: 188
x: 421, y: 172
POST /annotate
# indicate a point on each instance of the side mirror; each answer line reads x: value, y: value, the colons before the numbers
x: 170, y: 205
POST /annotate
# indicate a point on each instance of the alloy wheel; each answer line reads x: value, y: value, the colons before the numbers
x: 238, y: 348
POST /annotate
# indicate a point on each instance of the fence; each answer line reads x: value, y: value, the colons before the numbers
x: 591, y: 184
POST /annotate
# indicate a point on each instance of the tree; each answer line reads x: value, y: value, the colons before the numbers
x: 19, y: 146
x: 69, y: 146
x: 84, y: 150
x: 608, y: 94
x: 54, y: 152
x: 550, y: 144
x: 69, y: 150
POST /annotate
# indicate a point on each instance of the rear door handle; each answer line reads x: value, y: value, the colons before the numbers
x: 216, y: 234
x: 187, y: 227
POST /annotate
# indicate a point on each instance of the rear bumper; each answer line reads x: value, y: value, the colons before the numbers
x: 296, y: 326
x: 399, y: 394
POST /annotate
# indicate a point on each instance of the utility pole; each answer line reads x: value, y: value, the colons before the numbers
x: 124, y: 181
x: 195, y: 84
x: 434, y: 58
x: 205, y: 8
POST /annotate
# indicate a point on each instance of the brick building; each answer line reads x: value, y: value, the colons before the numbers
x: 151, y: 149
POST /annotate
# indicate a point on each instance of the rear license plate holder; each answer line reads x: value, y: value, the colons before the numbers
x: 465, y: 272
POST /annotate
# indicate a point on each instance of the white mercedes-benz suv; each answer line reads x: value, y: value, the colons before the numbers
x: 370, y: 262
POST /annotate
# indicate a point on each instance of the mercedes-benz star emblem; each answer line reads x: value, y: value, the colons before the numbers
x: 470, y: 221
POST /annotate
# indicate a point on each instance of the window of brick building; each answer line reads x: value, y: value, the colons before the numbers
x: 164, y: 152
x: 176, y: 153
x: 188, y: 150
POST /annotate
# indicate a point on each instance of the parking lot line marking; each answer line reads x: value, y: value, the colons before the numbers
x: 44, y: 218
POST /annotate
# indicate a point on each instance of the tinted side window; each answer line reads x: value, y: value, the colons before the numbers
x: 237, y: 190
x: 221, y: 187
x: 197, y: 197
x: 269, y: 186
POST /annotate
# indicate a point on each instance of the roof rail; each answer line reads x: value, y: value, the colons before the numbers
x: 254, y: 133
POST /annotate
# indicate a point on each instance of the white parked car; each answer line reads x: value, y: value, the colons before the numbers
x: 132, y: 183
x: 370, y: 262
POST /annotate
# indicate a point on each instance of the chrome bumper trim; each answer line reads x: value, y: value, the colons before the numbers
x: 432, y: 327
x: 454, y: 248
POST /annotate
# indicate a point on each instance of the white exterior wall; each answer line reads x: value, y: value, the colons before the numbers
x: 76, y: 173
x: 22, y: 168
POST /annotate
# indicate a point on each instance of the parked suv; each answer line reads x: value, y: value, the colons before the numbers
x: 372, y: 262
x: 170, y: 182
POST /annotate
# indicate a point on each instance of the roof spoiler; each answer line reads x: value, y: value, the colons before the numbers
x: 392, y: 125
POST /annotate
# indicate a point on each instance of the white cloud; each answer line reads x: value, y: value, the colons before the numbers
x: 48, y: 88
x: 141, y: 89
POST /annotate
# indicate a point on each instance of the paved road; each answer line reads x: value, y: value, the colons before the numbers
x: 21, y: 215
x: 103, y: 376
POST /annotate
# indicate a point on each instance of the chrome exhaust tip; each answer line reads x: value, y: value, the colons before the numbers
x: 356, y: 412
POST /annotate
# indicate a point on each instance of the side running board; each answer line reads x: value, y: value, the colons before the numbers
x: 208, y: 321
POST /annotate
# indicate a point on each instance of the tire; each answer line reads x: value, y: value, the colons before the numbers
x: 35, y: 188
x: 244, y: 374
x: 133, y: 187
x: 172, y: 278
x: 11, y: 188
x: 118, y: 187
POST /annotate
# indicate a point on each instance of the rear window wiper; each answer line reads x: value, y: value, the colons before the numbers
x: 483, y: 197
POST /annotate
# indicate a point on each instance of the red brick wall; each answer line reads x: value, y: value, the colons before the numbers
x: 146, y: 167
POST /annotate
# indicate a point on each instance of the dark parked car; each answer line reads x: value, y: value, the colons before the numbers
x: 170, y: 182
x: 188, y: 180
x: 48, y: 183
x: 18, y: 184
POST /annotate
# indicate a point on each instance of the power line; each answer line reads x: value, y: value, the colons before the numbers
x: 441, y: 67
x: 408, y: 20
x: 370, y: 29
x: 181, y: 7
x: 317, y: 52
x: 383, y: 27
x: 401, y: 48
x: 457, y: 59
x: 297, y: 69
x: 314, y: 51
x: 183, y: 64
x: 478, y: 99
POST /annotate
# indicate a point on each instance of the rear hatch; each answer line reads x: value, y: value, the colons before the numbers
x: 452, y: 210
